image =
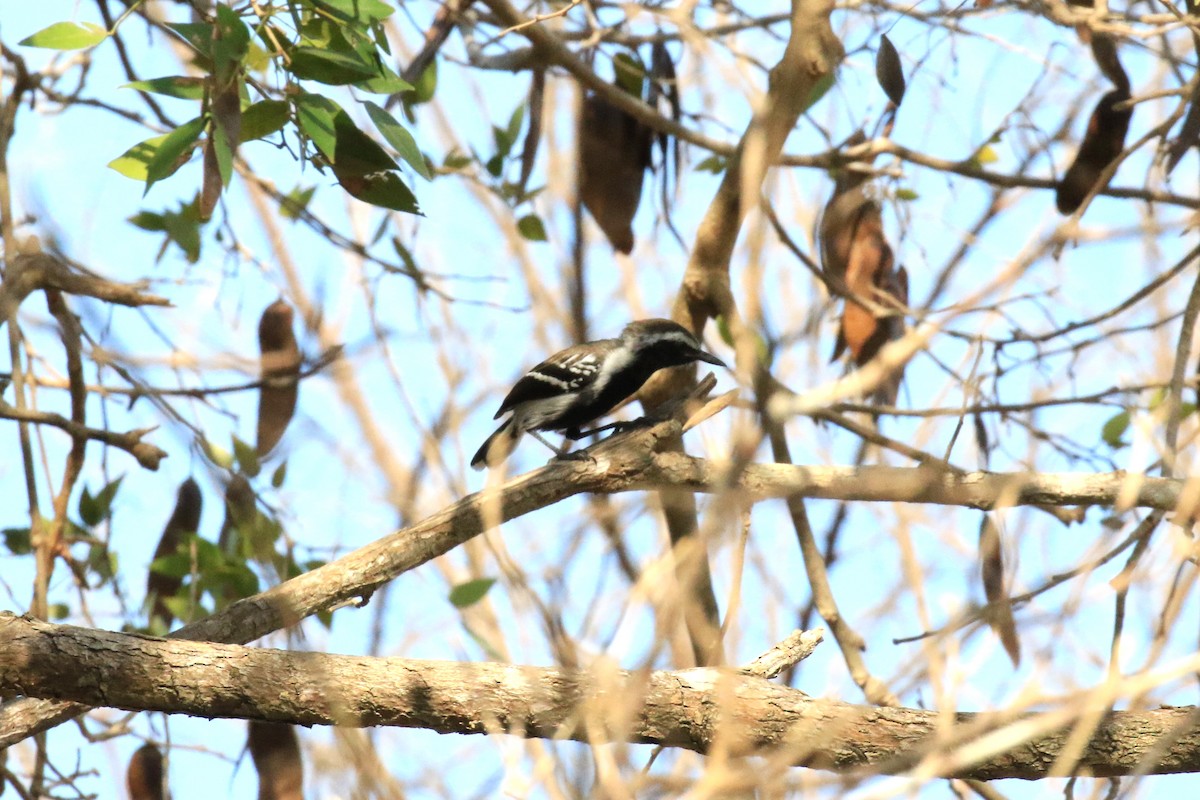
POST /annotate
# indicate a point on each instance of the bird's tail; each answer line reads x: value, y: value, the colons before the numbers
x: 497, y: 447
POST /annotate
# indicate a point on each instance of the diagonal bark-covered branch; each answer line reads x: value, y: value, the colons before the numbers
x: 695, y: 709
x: 629, y: 462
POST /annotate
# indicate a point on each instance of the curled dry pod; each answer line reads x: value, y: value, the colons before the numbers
x: 144, y: 777
x: 184, y: 519
x: 280, y: 369
x: 533, y: 134
x: 870, y: 268
x: 1103, y: 143
x: 614, y: 152
x: 889, y: 72
x: 276, y: 754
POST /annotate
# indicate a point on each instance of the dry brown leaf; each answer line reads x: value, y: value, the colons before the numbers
x: 614, y: 152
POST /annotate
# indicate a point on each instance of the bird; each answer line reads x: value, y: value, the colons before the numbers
x: 584, y: 382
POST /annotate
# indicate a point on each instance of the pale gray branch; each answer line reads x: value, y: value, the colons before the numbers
x: 627, y: 462
x: 694, y: 709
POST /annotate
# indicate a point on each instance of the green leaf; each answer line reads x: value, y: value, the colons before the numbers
x: 133, y: 162
x: 505, y: 137
x: 384, y: 189
x: 986, y: 155
x: 224, y: 153
x: 263, y: 118
x: 456, y: 160
x: 183, y: 228
x: 1114, y: 429
x: 173, y: 565
x: 335, y: 135
x: 386, y: 82
x: 471, y: 592
x: 57, y: 611
x: 181, y: 86
x: 67, y: 36
x: 906, y: 194
x: 296, y: 201
x: 330, y: 66
x: 230, y: 44
x: 399, y: 138
x: 182, y: 608
x: 426, y: 85
x: 247, y: 457
x: 102, y: 562
x: 819, y: 90
x: 279, y: 475
x: 629, y: 73
x: 197, y: 35
x: 723, y: 330
x: 94, y: 510
x: 362, y: 11
x: 715, y: 164
x: 531, y: 227
x: 315, y: 115
x: 149, y: 221
x: 18, y: 541
x: 217, y: 454
x: 173, y: 151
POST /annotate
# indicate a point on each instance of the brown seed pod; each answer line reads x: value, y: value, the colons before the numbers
x: 614, y: 152
x: 999, y: 611
x: 184, y: 519
x: 888, y: 71
x: 144, y: 777
x: 280, y: 367
x: 1102, y: 144
x: 276, y: 754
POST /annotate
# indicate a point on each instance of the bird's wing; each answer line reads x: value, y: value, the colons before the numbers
x: 564, y: 372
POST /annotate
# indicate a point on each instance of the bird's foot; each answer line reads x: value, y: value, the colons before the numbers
x: 575, y: 455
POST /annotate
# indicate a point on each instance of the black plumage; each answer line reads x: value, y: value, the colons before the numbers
x: 578, y: 385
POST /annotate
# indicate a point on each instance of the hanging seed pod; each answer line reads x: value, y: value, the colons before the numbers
x: 276, y: 754
x: 240, y: 509
x: 888, y: 71
x: 185, y: 519
x: 280, y: 368
x: 614, y: 151
x: 1104, y: 50
x: 144, y: 777
x: 999, y: 611
x: 533, y: 134
x: 1103, y: 143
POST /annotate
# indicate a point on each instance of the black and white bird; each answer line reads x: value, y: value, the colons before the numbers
x: 585, y: 381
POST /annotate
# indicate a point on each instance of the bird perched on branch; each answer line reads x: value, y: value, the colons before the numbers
x: 584, y: 382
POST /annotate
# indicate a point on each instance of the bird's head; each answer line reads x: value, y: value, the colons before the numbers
x: 669, y: 342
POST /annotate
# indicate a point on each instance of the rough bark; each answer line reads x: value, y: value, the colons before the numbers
x: 695, y: 709
x: 629, y: 462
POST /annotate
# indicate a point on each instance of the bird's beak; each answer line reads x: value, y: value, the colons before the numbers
x: 710, y: 358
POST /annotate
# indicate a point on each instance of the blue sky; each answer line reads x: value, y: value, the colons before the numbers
x: 336, y: 498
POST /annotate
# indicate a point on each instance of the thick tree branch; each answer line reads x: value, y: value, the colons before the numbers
x: 695, y: 709
x: 627, y: 462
